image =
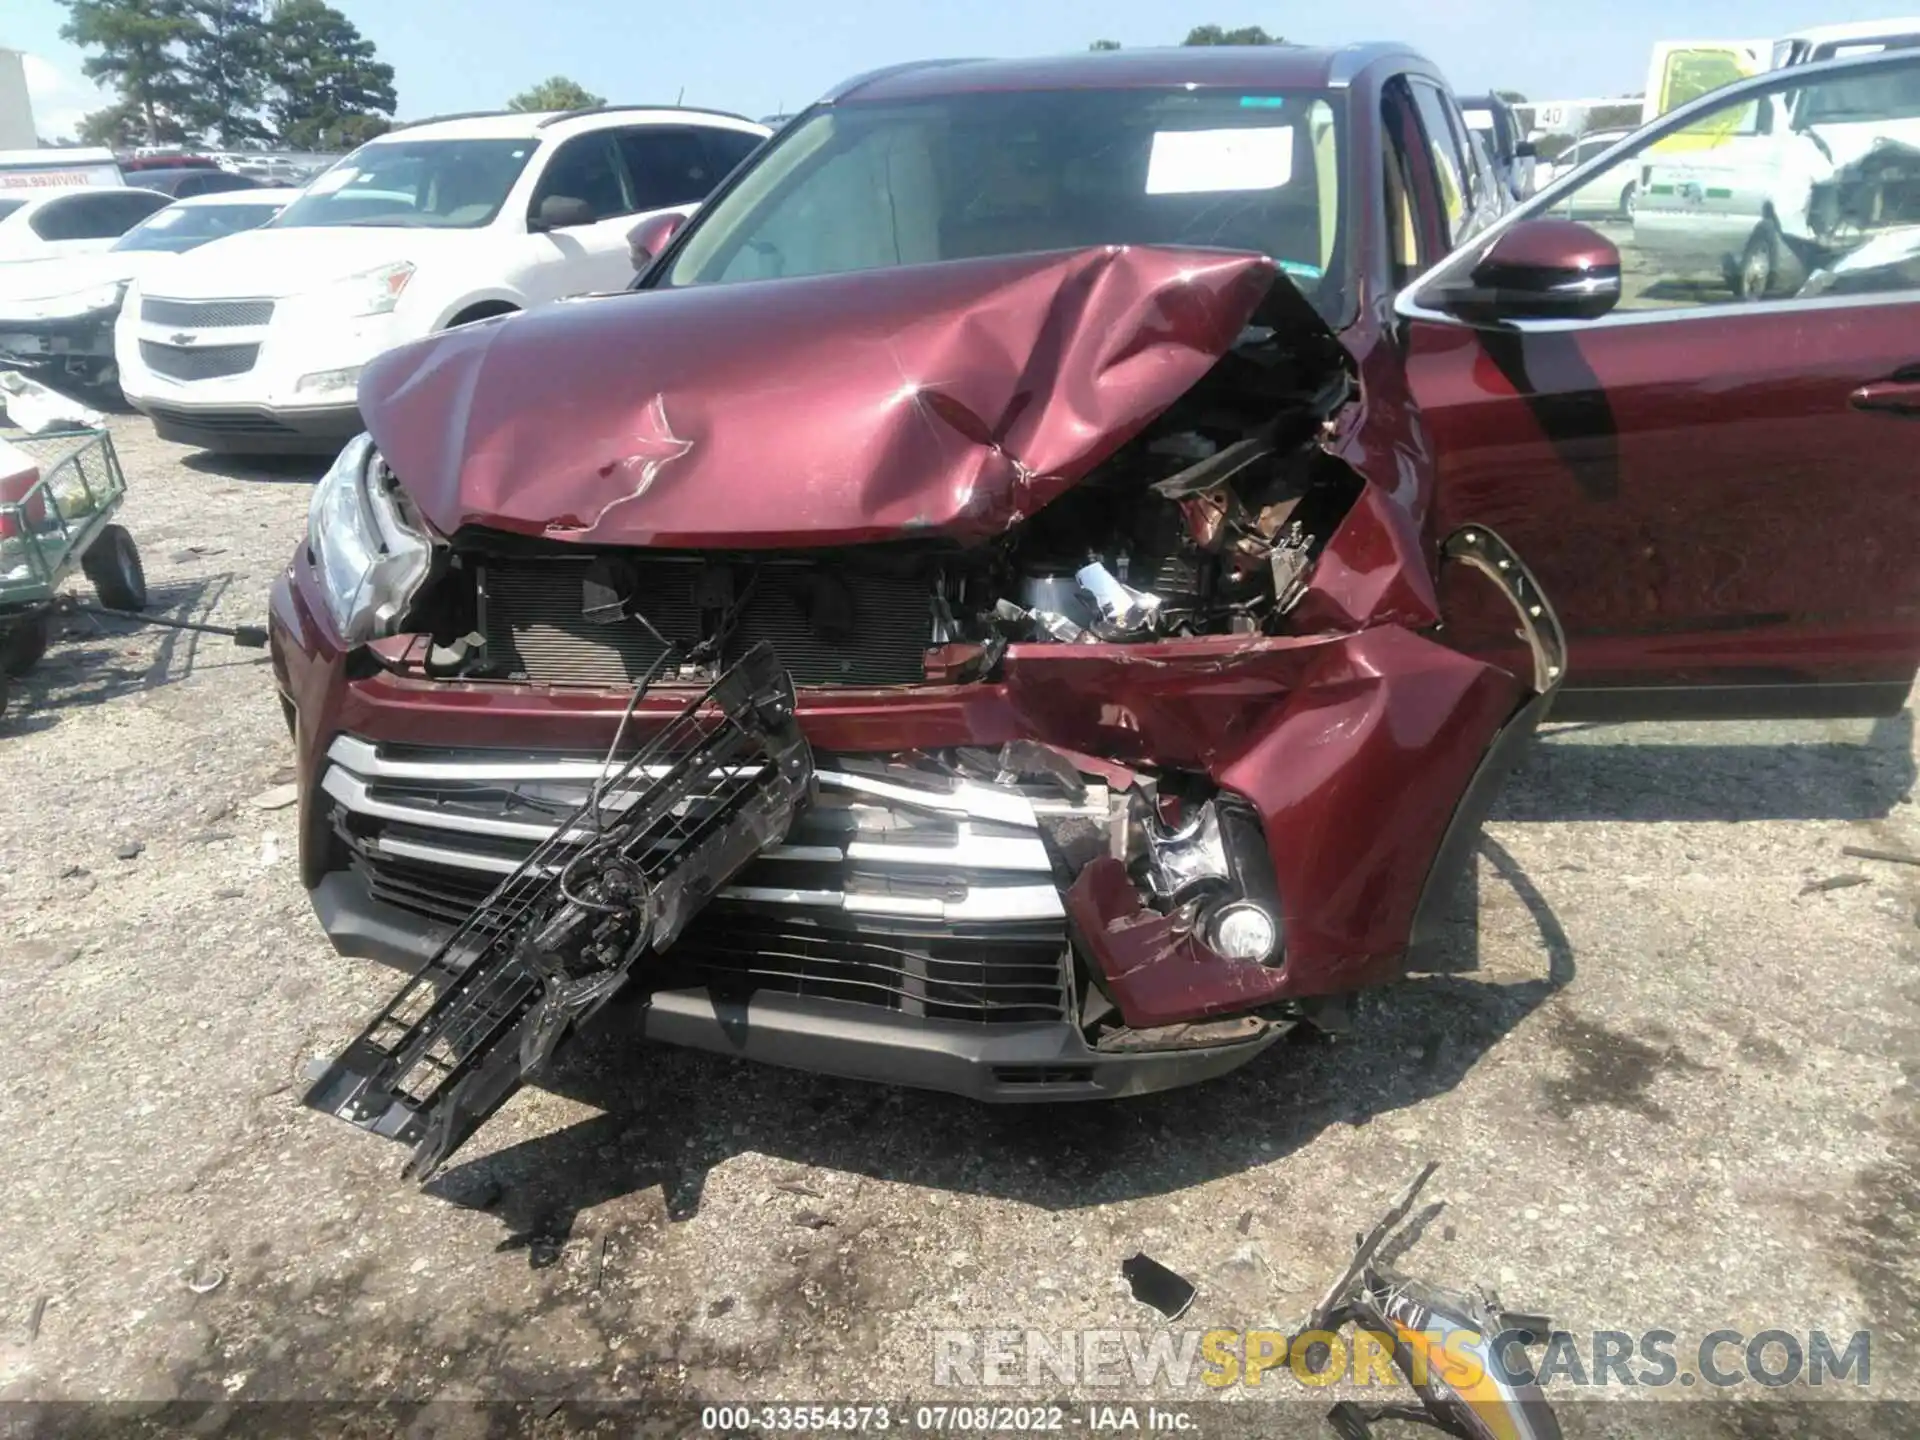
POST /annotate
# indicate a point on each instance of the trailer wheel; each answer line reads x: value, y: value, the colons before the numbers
x: 112, y: 563
x: 23, y: 643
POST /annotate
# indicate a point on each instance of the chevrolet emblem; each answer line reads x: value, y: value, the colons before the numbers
x: 185, y: 337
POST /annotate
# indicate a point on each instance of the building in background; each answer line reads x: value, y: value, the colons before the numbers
x: 16, y: 106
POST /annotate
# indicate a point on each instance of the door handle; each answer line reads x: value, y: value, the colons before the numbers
x: 1892, y: 397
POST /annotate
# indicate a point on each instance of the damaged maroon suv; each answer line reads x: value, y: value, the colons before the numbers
x: 1128, y: 555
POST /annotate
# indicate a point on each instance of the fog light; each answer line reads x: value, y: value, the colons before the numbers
x: 326, y: 380
x: 1244, y: 932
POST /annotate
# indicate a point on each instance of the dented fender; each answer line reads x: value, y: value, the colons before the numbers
x: 1371, y: 780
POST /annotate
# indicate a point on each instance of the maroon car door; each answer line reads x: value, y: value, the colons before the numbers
x: 1717, y: 483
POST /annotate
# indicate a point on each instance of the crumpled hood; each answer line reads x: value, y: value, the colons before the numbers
x: 954, y: 398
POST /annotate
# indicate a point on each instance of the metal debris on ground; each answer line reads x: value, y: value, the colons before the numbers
x: 598, y: 1265
x: 204, y: 1281
x: 799, y: 1187
x: 1833, y: 882
x: 1154, y: 1284
x: 812, y: 1219
x: 278, y: 798
x: 1891, y: 857
x: 1437, y: 1330
x: 33, y: 1317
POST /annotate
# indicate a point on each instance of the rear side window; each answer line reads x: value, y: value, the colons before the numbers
x: 94, y: 217
x: 727, y: 148
x: 669, y: 166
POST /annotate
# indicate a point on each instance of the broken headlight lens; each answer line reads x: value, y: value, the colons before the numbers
x: 370, y: 558
x: 72, y: 304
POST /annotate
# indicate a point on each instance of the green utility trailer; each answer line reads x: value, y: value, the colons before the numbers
x: 60, y: 522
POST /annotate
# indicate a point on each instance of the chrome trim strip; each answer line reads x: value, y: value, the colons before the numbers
x: 440, y: 855
x: 967, y: 798
x: 357, y: 796
x: 968, y: 852
x: 989, y: 903
x: 993, y: 903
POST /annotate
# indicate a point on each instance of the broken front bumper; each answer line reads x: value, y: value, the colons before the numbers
x: 927, y: 930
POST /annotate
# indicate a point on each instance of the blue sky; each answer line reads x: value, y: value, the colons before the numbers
x: 761, y: 55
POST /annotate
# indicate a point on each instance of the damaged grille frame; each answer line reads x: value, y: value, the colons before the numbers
x: 948, y: 875
x: 548, y: 948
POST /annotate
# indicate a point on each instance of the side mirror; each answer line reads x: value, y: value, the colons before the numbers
x: 561, y: 212
x: 1525, y: 150
x: 652, y: 235
x: 1538, y: 270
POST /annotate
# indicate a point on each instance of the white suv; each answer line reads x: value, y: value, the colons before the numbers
x: 256, y: 342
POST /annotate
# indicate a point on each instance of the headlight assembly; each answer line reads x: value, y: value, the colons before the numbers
x: 369, y: 556
x: 371, y: 292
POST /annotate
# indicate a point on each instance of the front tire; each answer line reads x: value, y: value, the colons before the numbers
x: 1768, y: 266
x: 1629, y: 197
x: 112, y: 565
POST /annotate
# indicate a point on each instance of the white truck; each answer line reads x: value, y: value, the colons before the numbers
x: 1733, y: 196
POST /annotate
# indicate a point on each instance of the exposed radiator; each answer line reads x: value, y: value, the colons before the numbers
x: 829, y: 625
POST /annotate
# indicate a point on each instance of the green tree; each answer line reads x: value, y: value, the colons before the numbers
x: 1104, y: 45
x: 556, y: 92
x: 325, y: 89
x: 227, y: 66
x: 118, y: 127
x: 1244, y: 35
x: 137, y: 49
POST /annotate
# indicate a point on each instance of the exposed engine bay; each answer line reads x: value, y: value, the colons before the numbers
x: 1205, y: 524
x: 1880, y: 191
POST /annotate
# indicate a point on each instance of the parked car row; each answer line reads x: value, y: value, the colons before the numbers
x: 253, y: 333
x: 58, y: 313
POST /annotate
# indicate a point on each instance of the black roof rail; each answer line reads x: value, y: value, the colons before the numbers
x: 555, y: 119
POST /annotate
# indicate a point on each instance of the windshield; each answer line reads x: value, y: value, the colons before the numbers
x: 7, y: 207
x: 869, y: 186
x: 1892, y: 94
x: 182, y: 227
x: 437, y: 184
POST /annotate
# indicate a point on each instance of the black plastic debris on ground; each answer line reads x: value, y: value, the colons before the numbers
x: 1154, y: 1284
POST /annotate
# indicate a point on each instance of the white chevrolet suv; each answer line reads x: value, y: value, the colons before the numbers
x: 256, y: 342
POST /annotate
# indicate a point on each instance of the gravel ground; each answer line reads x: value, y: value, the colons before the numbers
x: 1670, y: 1087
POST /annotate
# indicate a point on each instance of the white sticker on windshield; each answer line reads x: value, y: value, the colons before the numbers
x: 337, y: 178
x: 1187, y: 162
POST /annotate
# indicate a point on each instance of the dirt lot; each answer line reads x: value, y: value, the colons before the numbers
x: 1675, y: 1092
